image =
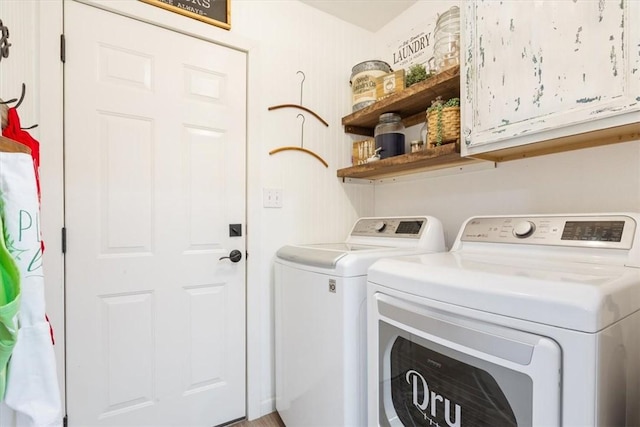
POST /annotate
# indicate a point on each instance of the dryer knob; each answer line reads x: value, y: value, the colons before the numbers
x: 524, y: 229
x: 379, y: 226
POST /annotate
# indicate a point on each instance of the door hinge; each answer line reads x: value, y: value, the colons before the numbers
x: 63, y: 49
x: 64, y: 421
x: 64, y: 240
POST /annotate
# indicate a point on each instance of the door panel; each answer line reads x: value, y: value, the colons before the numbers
x: 154, y: 173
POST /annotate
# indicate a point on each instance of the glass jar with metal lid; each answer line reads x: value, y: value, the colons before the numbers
x: 447, y: 39
x: 363, y: 82
x: 389, y: 135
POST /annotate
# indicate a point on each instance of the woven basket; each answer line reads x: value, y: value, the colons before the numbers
x: 443, y: 128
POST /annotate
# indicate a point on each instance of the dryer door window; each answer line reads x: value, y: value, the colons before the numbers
x: 438, y: 369
x: 430, y: 388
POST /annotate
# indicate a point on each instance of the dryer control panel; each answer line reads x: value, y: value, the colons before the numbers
x: 611, y: 231
x: 390, y: 227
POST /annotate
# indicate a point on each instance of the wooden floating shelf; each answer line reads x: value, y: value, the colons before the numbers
x: 444, y: 156
x: 612, y: 135
x: 411, y: 103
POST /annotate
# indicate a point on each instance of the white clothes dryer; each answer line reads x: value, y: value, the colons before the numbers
x: 320, y: 314
x: 526, y: 321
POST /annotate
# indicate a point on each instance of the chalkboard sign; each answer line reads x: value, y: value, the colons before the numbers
x: 216, y: 12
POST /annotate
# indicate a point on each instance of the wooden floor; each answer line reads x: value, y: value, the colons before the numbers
x: 271, y: 420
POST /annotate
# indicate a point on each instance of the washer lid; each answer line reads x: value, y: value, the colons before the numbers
x: 571, y: 295
x: 324, y: 255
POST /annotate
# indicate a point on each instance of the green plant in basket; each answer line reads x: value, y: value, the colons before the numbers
x: 438, y: 106
x: 417, y: 73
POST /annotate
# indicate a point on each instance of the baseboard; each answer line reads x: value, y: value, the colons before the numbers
x: 267, y: 406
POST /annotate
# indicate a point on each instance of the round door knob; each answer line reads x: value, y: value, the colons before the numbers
x: 379, y: 226
x: 235, y: 256
x: 523, y: 229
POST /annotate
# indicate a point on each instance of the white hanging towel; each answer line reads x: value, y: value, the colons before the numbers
x: 32, y: 382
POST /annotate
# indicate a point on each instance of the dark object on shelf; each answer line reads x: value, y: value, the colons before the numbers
x: 389, y: 135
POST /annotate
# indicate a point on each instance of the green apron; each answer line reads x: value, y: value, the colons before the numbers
x: 9, y: 304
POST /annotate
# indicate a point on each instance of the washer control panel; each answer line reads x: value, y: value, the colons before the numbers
x: 616, y: 231
x: 390, y: 227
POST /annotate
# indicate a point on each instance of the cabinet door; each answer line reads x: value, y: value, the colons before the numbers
x: 539, y: 70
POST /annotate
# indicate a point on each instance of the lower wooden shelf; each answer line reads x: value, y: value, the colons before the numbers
x: 444, y: 156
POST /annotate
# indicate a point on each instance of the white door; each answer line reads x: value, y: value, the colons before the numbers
x: 154, y: 176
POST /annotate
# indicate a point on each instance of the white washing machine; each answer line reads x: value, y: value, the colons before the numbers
x: 527, y: 321
x: 320, y: 313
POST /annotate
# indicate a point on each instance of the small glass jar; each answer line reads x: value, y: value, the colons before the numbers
x: 423, y: 134
x: 389, y: 135
x: 416, y: 146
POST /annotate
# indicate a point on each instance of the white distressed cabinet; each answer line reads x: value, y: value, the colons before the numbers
x: 546, y: 76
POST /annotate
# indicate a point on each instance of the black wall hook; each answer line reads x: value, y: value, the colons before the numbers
x: 9, y: 101
x: 4, y: 41
x: 24, y: 90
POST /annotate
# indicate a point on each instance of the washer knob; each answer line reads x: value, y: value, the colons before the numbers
x: 524, y: 229
x: 379, y: 226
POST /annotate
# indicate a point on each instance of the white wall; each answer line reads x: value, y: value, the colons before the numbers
x: 590, y: 180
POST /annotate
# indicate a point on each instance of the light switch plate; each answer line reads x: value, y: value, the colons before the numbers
x: 272, y: 197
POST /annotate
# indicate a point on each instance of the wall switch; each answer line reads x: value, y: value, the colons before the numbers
x: 272, y: 197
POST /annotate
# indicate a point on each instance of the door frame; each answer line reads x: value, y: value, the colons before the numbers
x: 51, y: 115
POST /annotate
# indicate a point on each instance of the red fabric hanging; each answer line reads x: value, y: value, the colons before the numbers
x: 14, y: 132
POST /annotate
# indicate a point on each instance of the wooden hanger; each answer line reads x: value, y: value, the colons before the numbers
x: 301, y: 148
x: 300, y: 107
x: 304, y: 150
x: 8, y: 145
